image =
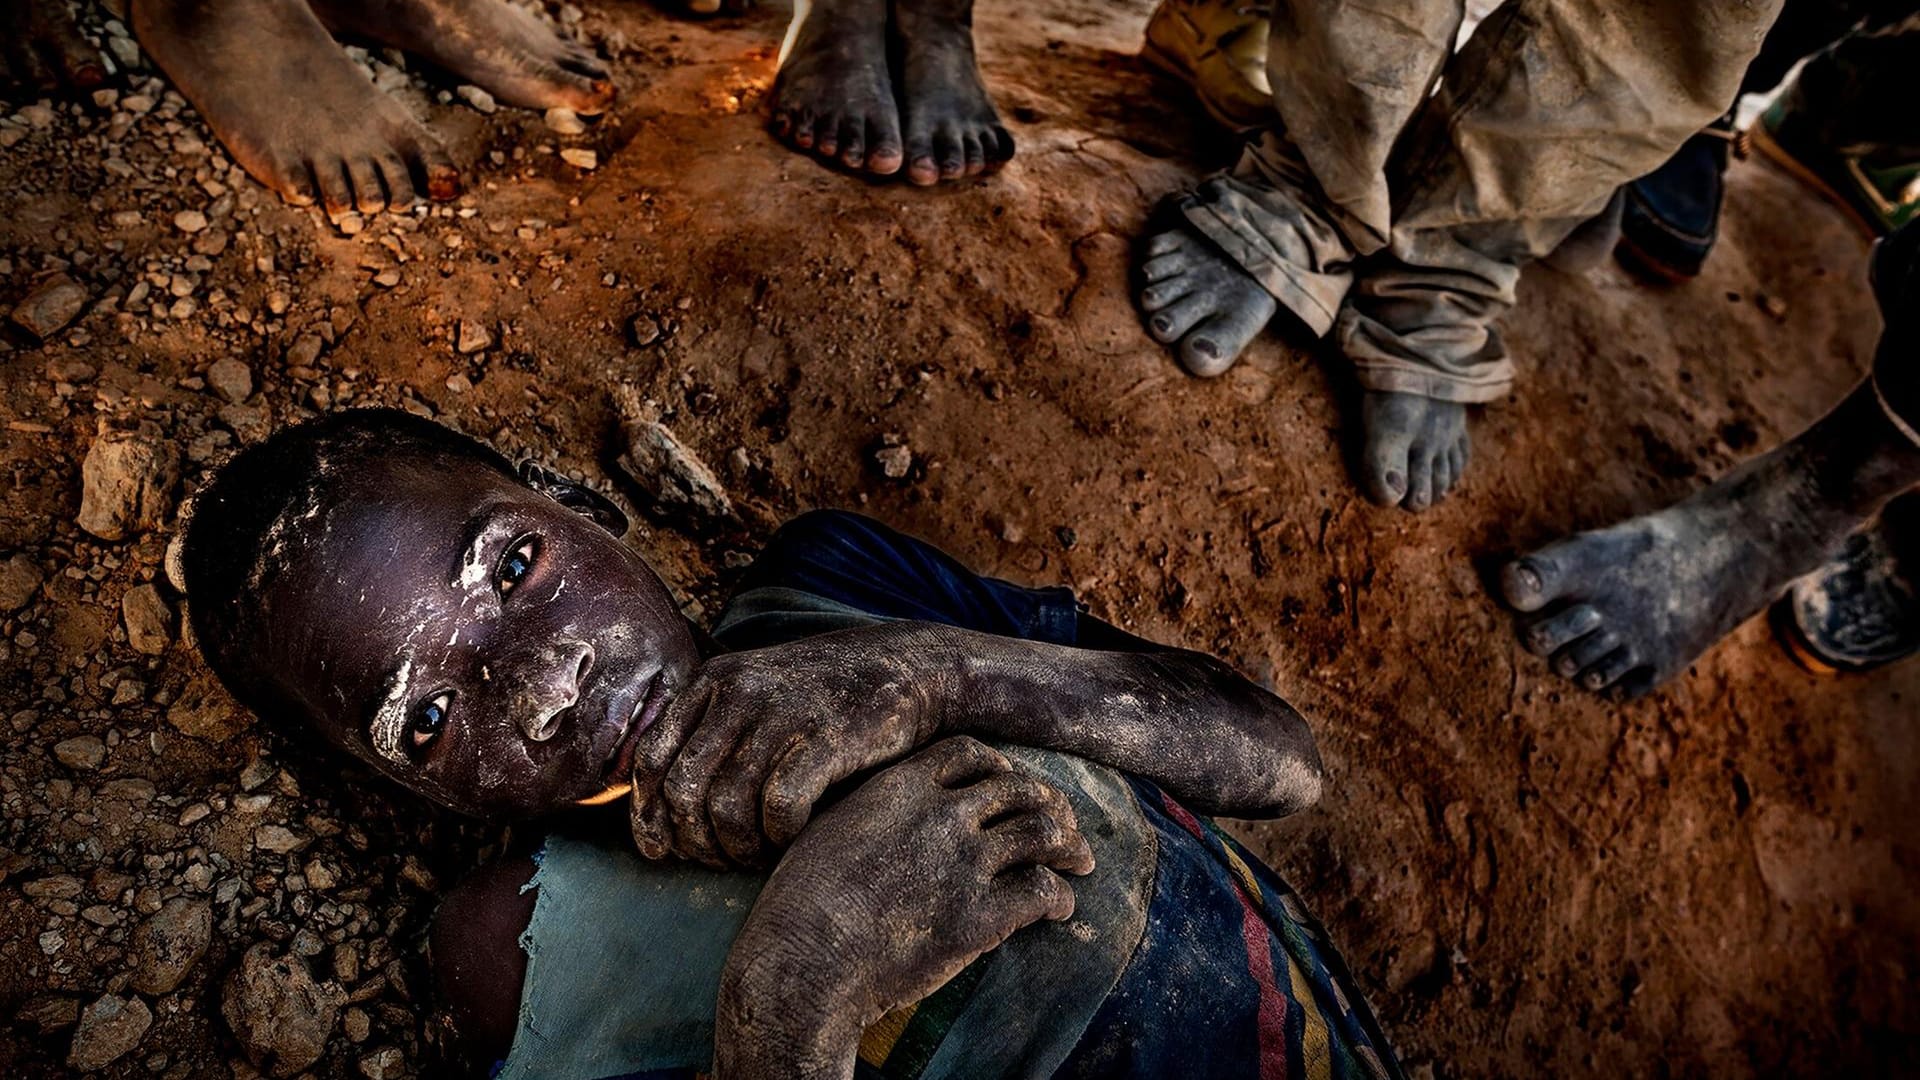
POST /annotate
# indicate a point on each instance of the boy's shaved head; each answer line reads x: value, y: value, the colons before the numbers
x: 396, y: 586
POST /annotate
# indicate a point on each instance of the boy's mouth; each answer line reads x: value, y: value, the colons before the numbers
x: 646, y: 710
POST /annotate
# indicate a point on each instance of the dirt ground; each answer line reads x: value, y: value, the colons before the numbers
x: 1721, y: 880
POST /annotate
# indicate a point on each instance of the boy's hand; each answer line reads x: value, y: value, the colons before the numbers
x: 731, y: 771
x: 884, y: 898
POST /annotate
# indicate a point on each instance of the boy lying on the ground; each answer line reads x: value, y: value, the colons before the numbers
x: 398, y: 588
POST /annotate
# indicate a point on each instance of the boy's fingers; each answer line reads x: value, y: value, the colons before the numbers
x: 820, y: 760
x: 691, y: 774
x: 960, y: 760
x: 1027, y: 895
x: 1041, y: 838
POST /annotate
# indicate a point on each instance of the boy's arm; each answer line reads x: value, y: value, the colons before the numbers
x: 744, y: 752
x: 883, y: 899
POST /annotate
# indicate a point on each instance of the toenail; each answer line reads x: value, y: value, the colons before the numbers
x: 1206, y: 348
x: 1160, y: 323
x: 1395, y: 479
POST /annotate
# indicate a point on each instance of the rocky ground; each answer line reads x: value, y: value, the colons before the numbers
x: 1718, y: 881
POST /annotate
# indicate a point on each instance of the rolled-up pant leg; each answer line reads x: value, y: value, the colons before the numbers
x: 1550, y: 106
x: 1311, y: 194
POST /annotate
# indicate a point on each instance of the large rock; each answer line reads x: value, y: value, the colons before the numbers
x: 149, y: 619
x: 108, y: 1029
x: 51, y: 305
x: 673, y: 476
x: 20, y: 579
x: 280, y: 1015
x: 166, y: 946
x: 127, y: 483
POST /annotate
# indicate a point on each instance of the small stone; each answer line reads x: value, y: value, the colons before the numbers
x: 51, y: 306
x: 54, y: 887
x: 80, y: 752
x: 194, y: 812
x: 189, y: 221
x: 415, y: 873
x: 149, y: 620
x: 279, y: 839
x: 477, y: 98
x: 387, y: 278
x: 459, y: 383
x: 101, y: 915
x: 20, y: 580
x: 673, y: 476
x: 204, y: 711
x: 166, y: 946
x: 1774, y: 306
x: 281, y: 1016
x: 358, y: 1024
x: 386, y: 1063
x: 109, y: 1028
x: 645, y: 330
x: 128, y: 691
x: 318, y: 876
x: 212, y: 242
x: 127, y: 484
x: 304, y: 350
x: 231, y: 379
x: 472, y: 337
x: 351, y: 223
x: 49, y: 1012
x: 565, y: 121
x: 894, y: 461
x: 580, y: 157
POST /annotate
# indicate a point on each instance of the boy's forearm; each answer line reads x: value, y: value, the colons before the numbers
x: 1181, y: 719
x: 773, y: 1022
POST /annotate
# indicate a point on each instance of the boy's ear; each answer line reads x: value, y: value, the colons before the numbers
x: 579, y: 498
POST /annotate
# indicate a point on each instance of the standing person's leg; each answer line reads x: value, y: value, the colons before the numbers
x: 1283, y: 227
x: 1634, y: 604
x: 1550, y: 106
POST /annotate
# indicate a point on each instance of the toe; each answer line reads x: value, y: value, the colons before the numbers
x: 1213, y: 346
x: 1548, y: 635
x: 1175, y: 318
x: 1443, y: 476
x: 1160, y: 294
x: 883, y: 146
x: 1533, y: 581
x: 976, y: 158
x: 1161, y: 267
x: 399, y: 182
x: 1607, y: 670
x: 1574, y: 658
x: 922, y: 169
x: 949, y: 154
x: 826, y: 135
x: 1384, y: 465
x: 1419, y: 479
x: 293, y: 180
x: 1167, y: 243
x: 77, y: 62
x: 369, y: 197
x: 998, y: 147
x: 330, y: 179
x: 853, y: 142
x: 433, y: 170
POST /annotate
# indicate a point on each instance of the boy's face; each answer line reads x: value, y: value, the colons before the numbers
x: 475, y: 640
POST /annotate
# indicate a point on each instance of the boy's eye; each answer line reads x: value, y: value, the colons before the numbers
x: 429, y: 717
x: 516, y: 564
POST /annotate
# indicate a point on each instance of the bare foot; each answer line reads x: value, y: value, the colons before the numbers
x: 1414, y: 449
x: 951, y: 127
x: 1194, y: 295
x: 1631, y: 606
x: 498, y: 47
x: 290, y: 107
x: 835, y: 96
x: 42, y: 50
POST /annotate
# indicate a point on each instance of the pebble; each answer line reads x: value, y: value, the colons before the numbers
x: 351, y: 224
x: 281, y: 1016
x: 108, y: 1028
x: 672, y: 475
x: 387, y: 278
x: 476, y: 97
x: 279, y: 839
x: 472, y: 337
x: 51, y: 306
x: 894, y: 461
x: 194, y: 812
x: 565, y: 121
x: 166, y: 946
x: 80, y: 752
x: 580, y: 158
x: 386, y: 1063
x: 304, y: 350
x: 189, y: 221
x: 645, y: 329
x: 149, y: 620
x: 20, y: 580
x: 231, y: 379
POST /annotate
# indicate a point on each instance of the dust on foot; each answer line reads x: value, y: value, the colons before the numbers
x: 952, y: 128
x: 1414, y: 450
x: 43, y: 51
x: 834, y: 96
x: 289, y: 105
x: 1194, y: 295
x: 497, y: 46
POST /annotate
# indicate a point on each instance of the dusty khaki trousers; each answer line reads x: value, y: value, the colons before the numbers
x: 1406, y: 183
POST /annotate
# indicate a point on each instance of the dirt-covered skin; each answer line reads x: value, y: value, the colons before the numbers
x: 493, y: 44
x: 834, y: 95
x: 290, y: 107
x: 42, y: 50
x: 952, y: 129
x: 883, y: 899
x: 1413, y: 449
x: 1195, y: 296
x: 739, y: 758
x: 1633, y: 605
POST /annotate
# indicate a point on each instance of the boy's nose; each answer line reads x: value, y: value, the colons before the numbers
x: 553, y: 688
